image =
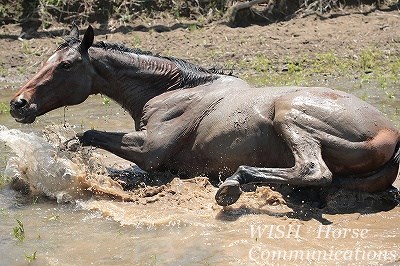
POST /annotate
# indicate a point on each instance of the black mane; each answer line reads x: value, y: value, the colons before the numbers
x: 120, y: 48
x: 69, y: 42
x: 193, y: 75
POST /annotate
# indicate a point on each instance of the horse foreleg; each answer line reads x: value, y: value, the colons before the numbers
x: 135, y: 146
x: 309, y: 169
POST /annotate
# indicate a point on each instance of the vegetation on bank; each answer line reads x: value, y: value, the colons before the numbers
x: 370, y: 65
x: 44, y: 13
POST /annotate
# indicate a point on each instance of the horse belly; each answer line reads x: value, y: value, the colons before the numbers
x: 219, y: 155
x: 239, y: 136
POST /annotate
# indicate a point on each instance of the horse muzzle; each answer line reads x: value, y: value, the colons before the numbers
x: 22, y: 111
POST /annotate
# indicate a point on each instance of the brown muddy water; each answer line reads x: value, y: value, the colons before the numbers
x: 86, y: 218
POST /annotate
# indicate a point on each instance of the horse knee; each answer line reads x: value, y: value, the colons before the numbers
x: 86, y: 138
x: 321, y: 179
x: 245, y: 174
x: 241, y: 170
x: 314, y: 173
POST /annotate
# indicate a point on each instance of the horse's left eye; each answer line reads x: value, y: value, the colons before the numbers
x: 66, y: 65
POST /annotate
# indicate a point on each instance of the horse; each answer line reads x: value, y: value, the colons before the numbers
x: 195, y: 121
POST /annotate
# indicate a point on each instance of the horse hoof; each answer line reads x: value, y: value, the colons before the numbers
x: 228, y: 193
x: 71, y: 145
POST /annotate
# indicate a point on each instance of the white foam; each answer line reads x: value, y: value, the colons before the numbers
x: 38, y: 163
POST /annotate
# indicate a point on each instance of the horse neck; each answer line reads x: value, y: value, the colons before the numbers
x: 131, y: 79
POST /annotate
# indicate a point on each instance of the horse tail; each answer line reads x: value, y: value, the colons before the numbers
x: 396, y: 157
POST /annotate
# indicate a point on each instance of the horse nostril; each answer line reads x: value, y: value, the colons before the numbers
x: 18, y: 104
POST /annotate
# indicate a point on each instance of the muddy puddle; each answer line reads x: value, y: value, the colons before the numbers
x: 75, y: 211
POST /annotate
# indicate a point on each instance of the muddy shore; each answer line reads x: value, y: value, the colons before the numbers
x: 217, y: 45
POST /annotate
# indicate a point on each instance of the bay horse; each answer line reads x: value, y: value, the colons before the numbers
x: 193, y: 121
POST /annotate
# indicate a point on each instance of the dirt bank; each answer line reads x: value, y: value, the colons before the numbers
x: 248, y: 51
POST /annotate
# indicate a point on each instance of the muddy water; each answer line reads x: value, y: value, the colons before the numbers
x: 178, y: 223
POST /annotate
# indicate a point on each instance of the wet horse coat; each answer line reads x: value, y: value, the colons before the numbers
x: 194, y: 121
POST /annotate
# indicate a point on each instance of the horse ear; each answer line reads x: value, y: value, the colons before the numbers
x: 74, y: 32
x: 87, y: 40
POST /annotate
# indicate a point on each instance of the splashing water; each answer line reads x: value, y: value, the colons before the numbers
x: 38, y: 163
x: 70, y: 176
x: 80, y: 178
x: 65, y: 176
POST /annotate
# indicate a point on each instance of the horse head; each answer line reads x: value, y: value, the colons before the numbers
x: 65, y: 79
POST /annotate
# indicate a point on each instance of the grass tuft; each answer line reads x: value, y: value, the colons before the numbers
x: 19, y: 231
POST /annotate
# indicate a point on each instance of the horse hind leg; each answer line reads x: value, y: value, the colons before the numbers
x: 309, y: 167
x: 377, y: 181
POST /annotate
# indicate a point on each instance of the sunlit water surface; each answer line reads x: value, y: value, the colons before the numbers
x: 183, y: 226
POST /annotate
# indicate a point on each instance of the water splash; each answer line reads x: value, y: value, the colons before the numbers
x: 39, y: 164
x: 70, y: 176
x: 65, y: 176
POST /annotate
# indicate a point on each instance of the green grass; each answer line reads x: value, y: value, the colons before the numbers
x: 153, y: 260
x: 369, y: 59
x: 193, y: 27
x: 4, y: 108
x: 3, y: 180
x: 4, y: 212
x: 106, y: 101
x: 329, y: 63
x: 136, y: 41
x: 22, y: 70
x: 54, y: 217
x: 19, y: 231
x: 125, y: 18
x: 370, y: 65
x: 26, y: 49
x: 3, y: 70
x: 31, y: 257
x: 260, y: 64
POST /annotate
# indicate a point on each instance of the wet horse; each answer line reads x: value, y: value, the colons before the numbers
x: 193, y: 121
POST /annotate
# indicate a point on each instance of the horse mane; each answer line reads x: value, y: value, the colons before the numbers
x: 193, y: 75
x: 68, y: 42
x: 120, y: 48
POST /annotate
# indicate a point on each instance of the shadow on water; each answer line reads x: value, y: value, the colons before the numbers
x: 134, y: 178
x: 309, y: 203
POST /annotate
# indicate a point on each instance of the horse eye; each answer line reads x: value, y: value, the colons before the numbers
x: 66, y: 65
